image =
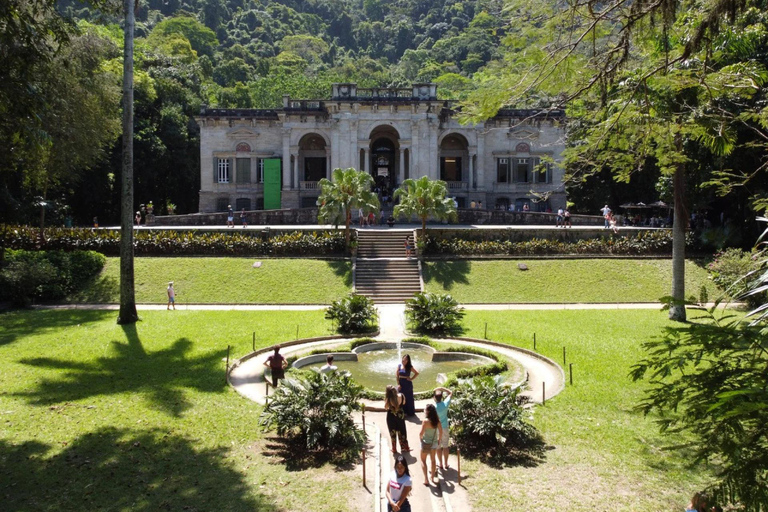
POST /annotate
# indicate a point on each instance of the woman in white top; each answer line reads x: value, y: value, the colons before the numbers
x: 399, y: 487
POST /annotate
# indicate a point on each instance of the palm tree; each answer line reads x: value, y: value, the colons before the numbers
x: 127, y: 314
x: 349, y: 189
x: 424, y: 198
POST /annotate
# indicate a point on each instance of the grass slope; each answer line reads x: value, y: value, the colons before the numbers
x: 226, y: 281
x: 561, y: 281
x: 603, y: 455
x: 96, y: 416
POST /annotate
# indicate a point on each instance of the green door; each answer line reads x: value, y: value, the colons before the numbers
x: 272, y: 183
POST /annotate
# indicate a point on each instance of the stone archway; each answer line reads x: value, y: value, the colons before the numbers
x: 385, y: 158
x: 313, y: 158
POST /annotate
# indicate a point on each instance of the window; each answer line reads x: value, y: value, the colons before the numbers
x: 543, y: 172
x: 502, y: 170
x: 260, y: 171
x: 221, y: 204
x: 450, y: 168
x: 522, y: 169
x: 243, y: 170
x: 242, y: 202
x: 223, y: 168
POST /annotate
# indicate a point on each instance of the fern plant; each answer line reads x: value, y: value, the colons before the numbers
x: 355, y: 313
x: 315, y: 409
x: 434, y: 313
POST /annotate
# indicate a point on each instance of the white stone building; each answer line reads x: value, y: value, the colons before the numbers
x: 274, y: 158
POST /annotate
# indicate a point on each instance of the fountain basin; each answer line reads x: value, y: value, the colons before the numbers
x: 374, y: 365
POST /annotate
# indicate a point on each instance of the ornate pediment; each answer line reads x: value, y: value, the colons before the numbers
x: 241, y: 132
x: 523, y: 133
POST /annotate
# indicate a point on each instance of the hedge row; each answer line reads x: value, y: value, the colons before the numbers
x: 149, y: 243
x: 645, y: 243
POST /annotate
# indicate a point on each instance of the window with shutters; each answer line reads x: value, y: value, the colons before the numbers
x: 522, y: 170
x: 223, y: 169
x: 243, y: 170
x: 502, y: 170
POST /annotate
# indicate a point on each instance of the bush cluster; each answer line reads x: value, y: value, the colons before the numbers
x: 736, y: 272
x: 354, y: 313
x: 166, y: 242
x: 46, y: 275
x: 645, y: 243
x: 434, y: 313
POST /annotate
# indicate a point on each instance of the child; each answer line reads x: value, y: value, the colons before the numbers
x: 171, y: 296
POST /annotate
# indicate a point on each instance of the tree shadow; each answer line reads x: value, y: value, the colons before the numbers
x: 21, y: 323
x: 293, y: 453
x: 447, y: 273
x: 342, y: 268
x: 160, y: 376
x: 528, y: 456
x: 119, y: 469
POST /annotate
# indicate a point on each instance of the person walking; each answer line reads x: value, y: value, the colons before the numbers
x: 171, y: 296
x: 567, y: 219
x: 399, y: 487
x: 560, y: 220
x: 277, y: 365
x: 243, y: 218
x: 405, y: 375
x: 430, y: 435
x: 606, y: 216
x: 137, y: 218
x: 393, y: 403
x: 442, y: 397
x: 408, y: 247
x: 230, y: 216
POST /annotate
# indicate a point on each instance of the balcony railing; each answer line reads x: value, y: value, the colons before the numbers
x: 309, y: 185
x: 458, y: 186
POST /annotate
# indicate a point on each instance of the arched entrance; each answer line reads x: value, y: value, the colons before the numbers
x: 312, y: 158
x: 385, y: 159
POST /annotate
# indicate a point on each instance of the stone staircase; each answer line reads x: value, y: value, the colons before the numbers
x: 382, y: 272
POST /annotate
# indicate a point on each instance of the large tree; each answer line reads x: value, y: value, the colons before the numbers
x: 424, y: 198
x: 656, y: 83
x: 349, y: 189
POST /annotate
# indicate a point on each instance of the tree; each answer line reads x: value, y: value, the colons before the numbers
x: 350, y: 189
x: 127, y: 314
x: 424, y: 198
x: 708, y: 379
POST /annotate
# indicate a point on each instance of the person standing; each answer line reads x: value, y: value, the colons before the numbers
x: 526, y: 208
x: 393, y: 403
x: 361, y: 216
x: 405, y: 375
x: 243, y: 218
x: 328, y: 366
x: 567, y: 219
x: 137, y: 218
x: 442, y: 397
x: 431, y: 433
x: 277, y: 365
x: 560, y: 220
x: 230, y: 216
x: 408, y: 248
x: 171, y: 296
x: 606, y: 216
x: 399, y: 487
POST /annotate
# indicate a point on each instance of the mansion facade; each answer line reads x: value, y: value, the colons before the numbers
x: 274, y: 158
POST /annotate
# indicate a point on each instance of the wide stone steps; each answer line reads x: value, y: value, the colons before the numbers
x: 382, y: 272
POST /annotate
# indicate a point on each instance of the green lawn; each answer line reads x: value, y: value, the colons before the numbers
x: 95, y: 416
x: 226, y: 281
x: 561, y: 281
x: 602, y: 455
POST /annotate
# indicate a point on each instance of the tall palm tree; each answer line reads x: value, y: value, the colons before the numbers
x: 424, y: 198
x: 127, y: 313
x: 348, y: 190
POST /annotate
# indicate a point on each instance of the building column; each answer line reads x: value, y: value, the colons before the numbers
x: 366, y: 160
x: 471, y: 171
x: 296, y: 184
x: 401, y: 167
x: 328, y: 166
x: 286, y: 159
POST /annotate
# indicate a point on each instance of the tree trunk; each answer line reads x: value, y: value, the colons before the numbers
x: 128, y: 313
x: 677, y: 308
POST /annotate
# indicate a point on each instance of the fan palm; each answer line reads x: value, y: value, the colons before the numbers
x: 424, y: 198
x: 348, y: 190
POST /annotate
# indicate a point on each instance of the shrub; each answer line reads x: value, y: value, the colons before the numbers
x: 46, y: 275
x: 488, y: 419
x: 434, y: 313
x: 731, y: 269
x: 316, y: 411
x: 354, y: 313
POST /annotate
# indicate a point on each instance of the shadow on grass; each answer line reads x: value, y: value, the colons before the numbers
x: 447, y: 273
x: 99, y: 290
x: 528, y: 456
x: 160, y: 376
x: 116, y: 469
x: 294, y: 455
x: 17, y: 324
x: 343, y: 269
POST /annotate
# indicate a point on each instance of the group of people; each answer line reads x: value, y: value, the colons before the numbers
x: 563, y: 218
x: 610, y: 219
x: 433, y: 437
x: 231, y: 217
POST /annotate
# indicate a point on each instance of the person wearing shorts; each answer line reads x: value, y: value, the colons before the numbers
x: 442, y: 397
x: 230, y: 216
x: 277, y: 365
x: 171, y: 296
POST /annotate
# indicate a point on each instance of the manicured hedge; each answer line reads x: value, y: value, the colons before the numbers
x: 645, y: 243
x: 46, y: 275
x: 187, y: 243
